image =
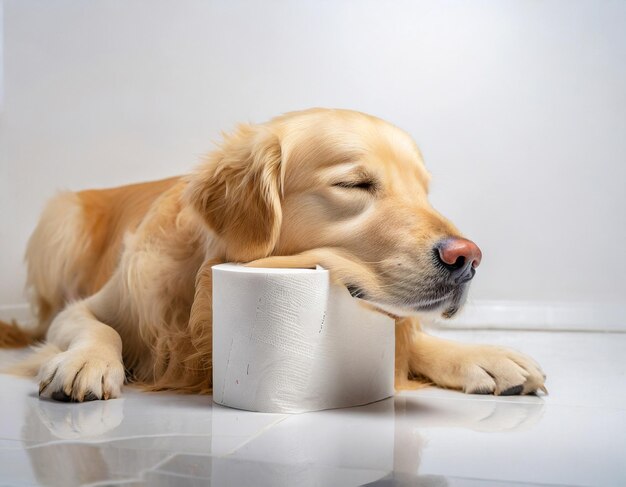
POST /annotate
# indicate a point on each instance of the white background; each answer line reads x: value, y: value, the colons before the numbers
x: 518, y: 106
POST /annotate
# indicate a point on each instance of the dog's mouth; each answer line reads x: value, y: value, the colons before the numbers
x: 455, y: 302
x: 447, y: 301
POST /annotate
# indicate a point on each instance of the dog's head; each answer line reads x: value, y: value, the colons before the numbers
x: 345, y: 182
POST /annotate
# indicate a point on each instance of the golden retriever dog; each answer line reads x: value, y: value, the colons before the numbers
x: 121, y: 278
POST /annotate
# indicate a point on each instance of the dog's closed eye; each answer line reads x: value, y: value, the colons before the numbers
x: 365, y: 185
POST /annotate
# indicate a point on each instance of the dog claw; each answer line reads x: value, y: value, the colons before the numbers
x: 44, y: 385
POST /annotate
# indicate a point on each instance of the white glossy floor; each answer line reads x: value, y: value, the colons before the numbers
x: 574, y: 436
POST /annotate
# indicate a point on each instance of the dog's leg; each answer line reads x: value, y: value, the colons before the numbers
x: 191, y: 370
x: 475, y: 369
x: 89, y: 365
x: 344, y: 267
x: 404, y: 377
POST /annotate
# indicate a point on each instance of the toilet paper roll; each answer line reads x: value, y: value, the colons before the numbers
x: 288, y: 340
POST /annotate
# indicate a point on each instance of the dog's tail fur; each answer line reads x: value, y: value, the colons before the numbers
x: 12, y: 336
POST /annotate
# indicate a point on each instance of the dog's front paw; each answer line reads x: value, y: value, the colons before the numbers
x: 499, y: 371
x: 82, y: 375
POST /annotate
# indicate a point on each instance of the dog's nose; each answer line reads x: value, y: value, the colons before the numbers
x: 460, y: 256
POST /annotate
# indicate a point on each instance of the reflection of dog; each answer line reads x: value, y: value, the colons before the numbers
x: 396, y: 454
x: 75, y: 423
x: 331, y: 187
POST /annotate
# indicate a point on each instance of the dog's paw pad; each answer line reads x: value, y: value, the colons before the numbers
x: 482, y: 391
x: 60, y: 396
x: 513, y: 391
x: 90, y: 396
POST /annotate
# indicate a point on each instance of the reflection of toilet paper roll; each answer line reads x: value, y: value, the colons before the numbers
x: 287, y: 340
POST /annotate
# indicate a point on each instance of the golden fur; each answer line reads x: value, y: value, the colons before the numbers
x: 132, y: 265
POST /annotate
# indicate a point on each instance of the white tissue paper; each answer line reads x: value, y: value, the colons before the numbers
x: 288, y: 340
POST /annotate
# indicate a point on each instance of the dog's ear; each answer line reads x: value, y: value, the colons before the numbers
x: 238, y: 191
